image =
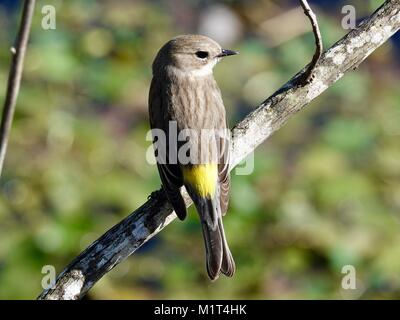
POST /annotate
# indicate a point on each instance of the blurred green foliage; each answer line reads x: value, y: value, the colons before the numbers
x: 325, y: 191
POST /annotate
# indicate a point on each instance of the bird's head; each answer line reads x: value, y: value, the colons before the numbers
x: 190, y: 54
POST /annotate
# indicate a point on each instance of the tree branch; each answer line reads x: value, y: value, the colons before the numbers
x: 308, y: 75
x: 14, y: 77
x: 128, y: 235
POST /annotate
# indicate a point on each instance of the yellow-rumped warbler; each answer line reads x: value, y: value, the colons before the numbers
x: 185, y: 102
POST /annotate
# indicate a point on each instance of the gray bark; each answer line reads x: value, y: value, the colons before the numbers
x: 156, y: 213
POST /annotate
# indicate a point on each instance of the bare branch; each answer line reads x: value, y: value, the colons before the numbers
x: 128, y: 235
x: 14, y: 77
x: 308, y: 74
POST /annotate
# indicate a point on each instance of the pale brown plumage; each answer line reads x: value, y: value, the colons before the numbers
x: 183, y: 89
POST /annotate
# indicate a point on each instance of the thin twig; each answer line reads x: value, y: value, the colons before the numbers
x: 156, y: 213
x: 14, y: 77
x: 308, y: 74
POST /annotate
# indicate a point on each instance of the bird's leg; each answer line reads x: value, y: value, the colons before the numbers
x: 155, y: 194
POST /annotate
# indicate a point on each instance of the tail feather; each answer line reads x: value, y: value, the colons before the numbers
x: 228, y: 266
x: 218, y: 256
x: 214, y: 251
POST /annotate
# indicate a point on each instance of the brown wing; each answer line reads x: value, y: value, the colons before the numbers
x: 170, y: 174
x: 224, y: 151
x: 223, y: 174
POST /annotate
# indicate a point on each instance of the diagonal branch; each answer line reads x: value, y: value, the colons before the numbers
x: 144, y: 223
x: 14, y: 77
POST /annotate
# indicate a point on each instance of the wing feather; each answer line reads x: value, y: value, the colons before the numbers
x: 170, y: 174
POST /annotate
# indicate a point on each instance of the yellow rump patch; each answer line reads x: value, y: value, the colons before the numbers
x: 202, y: 178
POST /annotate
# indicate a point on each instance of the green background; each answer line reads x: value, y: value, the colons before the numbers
x: 325, y: 191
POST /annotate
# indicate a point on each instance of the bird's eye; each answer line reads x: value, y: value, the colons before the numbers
x: 202, y: 54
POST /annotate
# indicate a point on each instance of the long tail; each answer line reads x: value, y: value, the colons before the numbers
x: 218, y: 256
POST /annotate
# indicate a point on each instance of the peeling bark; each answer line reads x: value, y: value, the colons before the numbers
x: 141, y: 225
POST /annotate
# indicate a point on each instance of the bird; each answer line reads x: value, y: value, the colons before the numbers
x: 185, y: 101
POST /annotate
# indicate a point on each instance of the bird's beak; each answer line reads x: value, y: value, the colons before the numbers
x: 226, y: 52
